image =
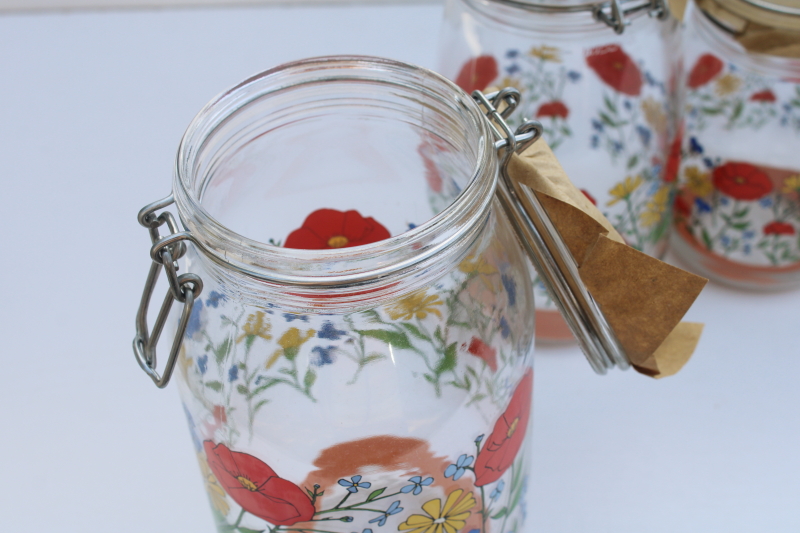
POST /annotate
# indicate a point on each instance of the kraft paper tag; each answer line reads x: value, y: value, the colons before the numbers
x: 642, y: 298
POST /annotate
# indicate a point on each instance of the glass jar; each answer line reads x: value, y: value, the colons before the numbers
x: 600, y: 77
x: 737, y: 217
x: 359, y: 354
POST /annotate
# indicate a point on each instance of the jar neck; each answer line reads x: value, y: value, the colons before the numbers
x: 297, y: 92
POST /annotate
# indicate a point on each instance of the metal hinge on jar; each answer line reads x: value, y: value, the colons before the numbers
x: 617, y: 14
x: 184, y: 288
x: 542, y: 241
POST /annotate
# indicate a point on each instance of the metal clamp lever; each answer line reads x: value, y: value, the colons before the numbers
x: 542, y: 241
x: 165, y: 252
x: 617, y: 19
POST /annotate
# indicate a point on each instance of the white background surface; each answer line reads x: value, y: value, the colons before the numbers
x: 92, y: 107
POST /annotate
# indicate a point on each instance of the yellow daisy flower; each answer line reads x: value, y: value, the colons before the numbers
x: 546, y: 53
x: 417, y: 304
x: 654, y: 210
x: 654, y: 114
x: 791, y: 184
x: 480, y: 265
x: 219, y: 500
x: 698, y: 182
x: 290, y: 343
x: 728, y: 84
x: 256, y: 326
x: 624, y: 189
x: 437, y: 519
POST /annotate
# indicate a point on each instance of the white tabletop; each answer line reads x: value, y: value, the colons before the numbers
x: 92, y: 106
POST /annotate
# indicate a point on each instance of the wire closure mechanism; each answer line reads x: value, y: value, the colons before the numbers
x: 543, y: 242
x: 616, y: 14
x: 165, y: 252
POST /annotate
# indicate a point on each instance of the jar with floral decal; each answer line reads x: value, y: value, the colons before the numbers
x: 600, y: 76
x: 354, y: 350
x: 737, y: 216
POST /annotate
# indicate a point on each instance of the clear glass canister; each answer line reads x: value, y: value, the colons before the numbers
x: 359, y: 356
x: 737, y: 218
x: 602, y: 82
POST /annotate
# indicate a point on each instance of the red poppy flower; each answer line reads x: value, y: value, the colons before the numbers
x: 778, y: 228
x: 329, y: 228
x: 589, y: 196
x: 673, y: 161
x: 477, y: 74
x: 553, y: 109
x: 480, y: 349
x: 741, y: 181
x: 682, y: 207
x: 704, y: 70
x: 432, y: 175
x: 500, y: 449
x: 616, y: 68
x: 763, y: 96
x: 257, y: 488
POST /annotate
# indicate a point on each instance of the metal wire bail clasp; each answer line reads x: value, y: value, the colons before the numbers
x: 542, y: 241
x: 615, y: 16
x: 165, y: 252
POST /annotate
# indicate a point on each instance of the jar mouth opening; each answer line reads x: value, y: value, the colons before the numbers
x: 228, y: 151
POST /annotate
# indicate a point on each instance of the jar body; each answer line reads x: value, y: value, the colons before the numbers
x: 606, y: 102
x: 737, y: 219
x: 372, y: 367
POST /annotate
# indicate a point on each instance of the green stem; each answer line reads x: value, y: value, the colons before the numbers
x: 343, y: 500
x: 239, y: 520
x: 483, y: 511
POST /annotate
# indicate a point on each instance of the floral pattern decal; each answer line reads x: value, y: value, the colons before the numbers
x: 735, y: 209
x: 269, y: 503
x: 329, y: 228
x: 477, y: 73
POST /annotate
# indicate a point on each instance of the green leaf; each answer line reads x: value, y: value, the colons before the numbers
x: 500, y: 514
x: 448, y: 362
x: 415, y: 331
x: 706, y: 239
x: 438, y: 334
x: 248, y: 530
x: 309, y: 378
x: 214, y: 385
x: 259, y: 405
x: 270, y: 382
x: 394, y: 338
x: 741, y: 226
x: 711, y: 110
x: 632, y: 161
x: 741, y: 212
x: 737, y: 110
x: 244, y: 391
x: 221, y: 352
x: 291, y: 352
x: 370, y: 358
x: 609, y: 104
x: 375, y: 493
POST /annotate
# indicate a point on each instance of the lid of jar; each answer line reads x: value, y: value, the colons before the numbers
x: 737, y: 15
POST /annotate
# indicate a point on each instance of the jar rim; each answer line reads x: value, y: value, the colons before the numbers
x: 452, y: 228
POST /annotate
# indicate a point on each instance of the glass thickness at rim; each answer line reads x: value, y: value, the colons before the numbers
x: 424, y: 94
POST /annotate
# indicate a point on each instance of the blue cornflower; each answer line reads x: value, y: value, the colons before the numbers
x: 329, y: 331
x: 198, y: 445
x: 505, y: 329
x: 702, y: 205
x: 708, y: 162
x: 457, y: 470
x: 649, y: 79
x: 194, y: 319
x: 233, y: 373
x: 595, y: 141
x: 644, y: 134
x: 215, y: 298
x: 393, y: 509
x: 617, y: 146
x: 574, y: 76
x: 354, y: 484
x: 498, y: 490
x: 202, y: 363
x: 411, y: 226
x: 478, y: 440
x: 694, y: 146
x: 322, y: 356
x: 724, y: 200
x: 749, y: 234
x: 511, y: 54
x: 597, y: 125
x: 416, y: 485
x: 511, y: 288
x: 512, y: 69
x: 747, y: 249
x: 725, y: 240
x: 765, y: 202
x: 627, y: 104
x: 291, y: 317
